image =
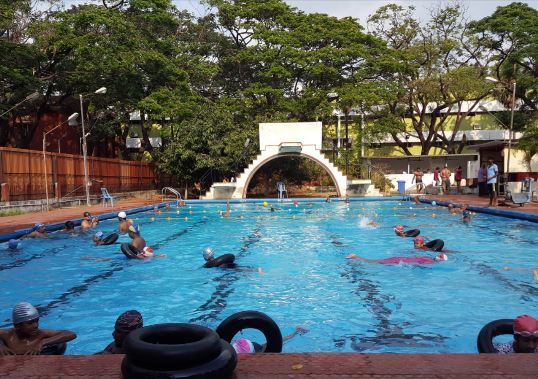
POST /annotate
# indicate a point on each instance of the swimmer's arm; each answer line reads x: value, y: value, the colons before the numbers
x: 4, y: 350
x: 298, y: 330
x: 356, y: 257
x: 53, y: 337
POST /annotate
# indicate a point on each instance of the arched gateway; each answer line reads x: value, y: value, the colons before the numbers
x: 279, y: 140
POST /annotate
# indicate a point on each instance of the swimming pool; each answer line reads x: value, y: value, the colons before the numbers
x: 345, y: 305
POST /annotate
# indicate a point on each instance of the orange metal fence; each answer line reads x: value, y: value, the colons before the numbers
x: 24, y: 173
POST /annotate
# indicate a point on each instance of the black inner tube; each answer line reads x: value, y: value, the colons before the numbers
x: 412, y: 233
x: 171, y: 346
x: 495, y: 328
x: 252, y: 320
x: 129, y: 250
x: 223, y: 260
x: 110, y: 239
x: 435, y: 245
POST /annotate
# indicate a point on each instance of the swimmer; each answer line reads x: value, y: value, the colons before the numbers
x: 424, y: 259
x: 137, y: 241
x: 275, y: 208
x: 347, y: 200
x: 98, y: 238
x: 466, y: 216
x: 399, y: 230
x: 69, y: 227
x: 13, y: 245
x: 328, y: 199
x: 452, y: 209
x: 147, y: 253
x: 167, y: 205
x: 86, y: 221
x: 417, y: 200
x: 125, y: 324
x: 419, y: 243
x: 124, y: 223
x: 37, y: 232
x: 25, y: 338
x: 525, y: 338
x: 209, y: 255
x: 228, y: 210
x: 246, y: 346
x: 156, y: 210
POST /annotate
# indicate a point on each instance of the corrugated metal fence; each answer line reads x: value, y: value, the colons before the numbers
x: 24, y: 172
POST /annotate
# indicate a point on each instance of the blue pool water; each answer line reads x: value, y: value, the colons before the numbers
x: 345, y: 305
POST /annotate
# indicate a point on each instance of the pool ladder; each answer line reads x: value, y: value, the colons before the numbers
x: 173, y: 192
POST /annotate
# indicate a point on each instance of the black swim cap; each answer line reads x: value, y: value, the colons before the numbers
x: 87, y: 214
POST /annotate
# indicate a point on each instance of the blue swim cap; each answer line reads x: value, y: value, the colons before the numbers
x: 13, y: 244
x: 98, y: 234
x: 466, y: 213
x: 38, y: 225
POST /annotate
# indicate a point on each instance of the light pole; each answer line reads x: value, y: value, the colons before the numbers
x: 31, y: 96
x: 489, y: 78
x: 87, y: 183
x: 72, y: 117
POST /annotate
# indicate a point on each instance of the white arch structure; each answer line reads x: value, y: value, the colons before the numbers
x: 280, y: 140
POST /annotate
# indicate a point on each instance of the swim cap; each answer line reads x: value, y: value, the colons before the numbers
x: 525, y: 323
x: 122, y: 215
x: 208, y: 253
x: 13, y: 244
x: 441, y: 257
x: 129, y: 321
x: 98, y: 234
x: 135, y: 229
x: 418, y: 239
x: 434, y: 203
x: 147, y: 252
x: 466, y: 213
x: 242, y: 345
x: 399, y: 228
x: 24, y: 312
x: 87, y: 214
x: 38, y: 226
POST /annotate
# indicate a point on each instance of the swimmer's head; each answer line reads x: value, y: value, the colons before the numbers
x: 441, y: 257
x: 13, y: 244
x: 208, y: 253
x: 147, y: 252
x: 87, y: 215
x: 39, y: 227
x: 418, y: 241
x: 399, y: 229
x: 23, y: 312
x: 134, y: 229
x: 122, y: 215
x: 98, y: 235
x: 466, y: 213
x: 243, y: 346
x: 69, y: 225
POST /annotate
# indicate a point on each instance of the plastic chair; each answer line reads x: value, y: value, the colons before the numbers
x: 107, y: 197
x: 281, y: 187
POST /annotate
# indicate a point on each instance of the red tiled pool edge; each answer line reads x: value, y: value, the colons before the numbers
x: 298, y: 365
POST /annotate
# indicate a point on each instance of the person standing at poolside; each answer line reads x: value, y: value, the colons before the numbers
x: 492, y: 171
x: 445, y: 178
x: 458, y: 177
x: 417, y: 177
x: 436, y: 177
x: 25, y: 338
x: 481, y: 180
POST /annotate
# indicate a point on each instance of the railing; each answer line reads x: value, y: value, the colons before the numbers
x: 172, y: 191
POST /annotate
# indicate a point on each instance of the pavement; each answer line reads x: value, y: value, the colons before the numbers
x: 12, y: 223
x: 297, y: 365
x: 474, y: 200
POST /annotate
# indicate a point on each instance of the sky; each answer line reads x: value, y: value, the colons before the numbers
x: 360, y: 9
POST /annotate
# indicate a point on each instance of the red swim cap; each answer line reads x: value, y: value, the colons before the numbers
x: 418, y: 239
x: 525, y: 323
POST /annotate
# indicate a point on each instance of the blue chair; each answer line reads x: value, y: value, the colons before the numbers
x: 107, y: 197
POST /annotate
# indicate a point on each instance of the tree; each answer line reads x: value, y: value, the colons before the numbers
x: 434, y: 72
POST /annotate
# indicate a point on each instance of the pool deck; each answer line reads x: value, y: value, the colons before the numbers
x: 483, y: 202
x: 297, y: 365
x: 11, y: 223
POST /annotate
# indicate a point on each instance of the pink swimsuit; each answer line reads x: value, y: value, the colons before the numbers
x: 397, y: 260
